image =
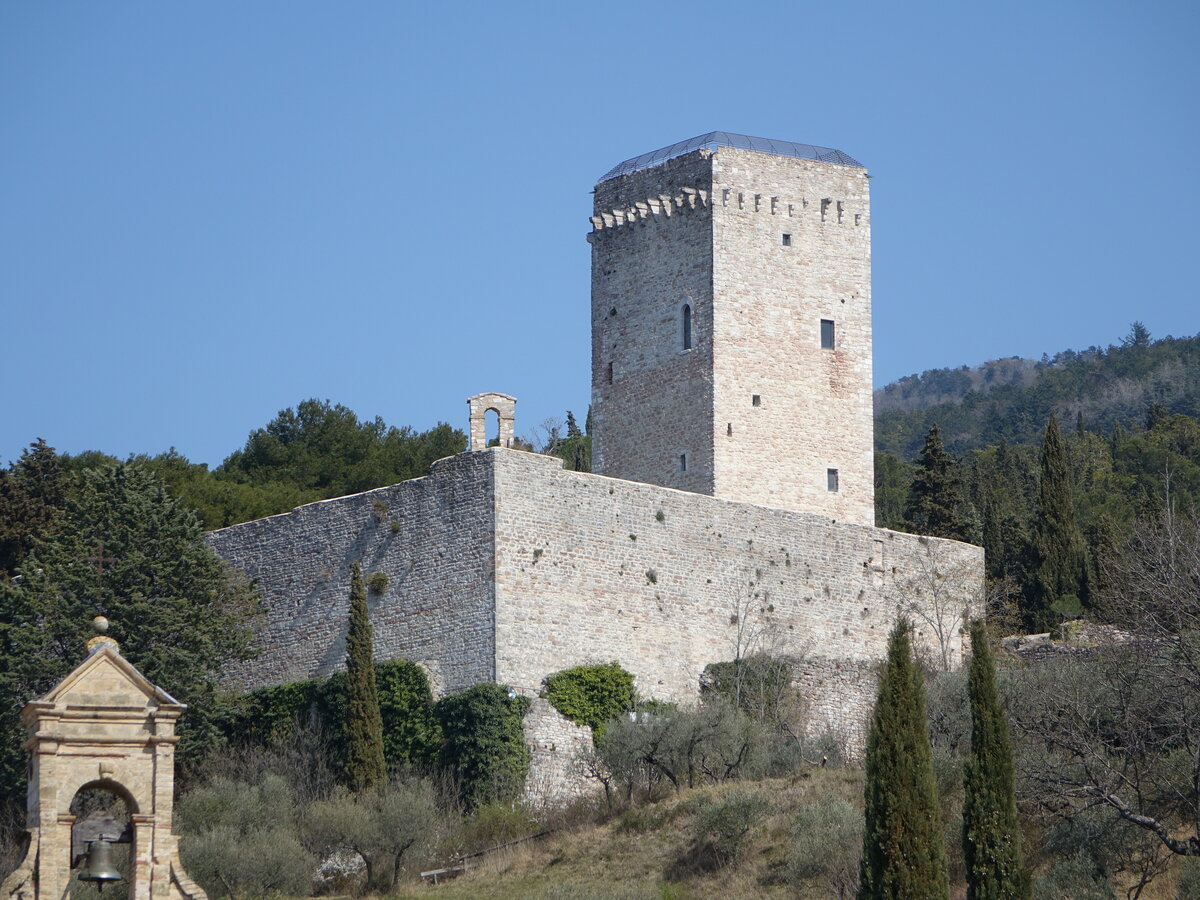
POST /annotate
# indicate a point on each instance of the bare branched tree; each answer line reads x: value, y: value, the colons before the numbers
x: 940, y: 594
x: 1117, y: 728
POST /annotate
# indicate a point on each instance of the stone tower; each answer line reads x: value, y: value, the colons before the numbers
x: 731, y: 324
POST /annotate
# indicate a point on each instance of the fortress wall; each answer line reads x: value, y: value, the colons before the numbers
x: 437, y: 608
x: 587, y: 572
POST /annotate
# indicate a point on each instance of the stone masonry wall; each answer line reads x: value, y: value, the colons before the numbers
x: 505, y: 567
x: 814, y: 411
x: 592, y: 569
x: 761, y: 248
x: 431, y: 536
x: 651, y: 255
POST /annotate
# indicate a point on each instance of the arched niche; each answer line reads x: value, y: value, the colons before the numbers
x: 104, y: 726
x: 479, y: 406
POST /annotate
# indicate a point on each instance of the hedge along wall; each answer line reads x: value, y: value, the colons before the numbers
x: 411, y: 733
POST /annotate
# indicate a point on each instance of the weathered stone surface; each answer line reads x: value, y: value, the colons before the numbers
x: 508, y: 568
x: 722, y: 530
x: 104, y: 726
x: 760, y: 409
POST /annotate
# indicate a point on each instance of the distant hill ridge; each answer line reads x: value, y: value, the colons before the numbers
x: 1010, y: 399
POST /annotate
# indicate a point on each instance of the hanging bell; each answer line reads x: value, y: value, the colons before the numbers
x: 99, y: 867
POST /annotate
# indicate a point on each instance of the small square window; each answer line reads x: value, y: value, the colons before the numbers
x: 755, y: 400
x: 827, y: 334
x: 831, y: 479
x: 787, y: 240
x: 682, y: 462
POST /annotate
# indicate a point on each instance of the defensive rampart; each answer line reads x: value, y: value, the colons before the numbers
x: 503, y: 566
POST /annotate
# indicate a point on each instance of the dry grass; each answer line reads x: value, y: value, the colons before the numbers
x: 628, y: 856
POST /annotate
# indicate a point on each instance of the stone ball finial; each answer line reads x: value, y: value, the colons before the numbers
x: 100, y: 626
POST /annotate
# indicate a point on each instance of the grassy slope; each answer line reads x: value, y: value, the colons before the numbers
x: 628, y: 856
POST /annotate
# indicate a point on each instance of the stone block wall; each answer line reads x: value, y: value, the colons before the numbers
x: 652, y: 399
x: 814, y: 411
x: 505, y: 567
x: 592, y: 569
x: 760, y: 248
x: 433, y: 538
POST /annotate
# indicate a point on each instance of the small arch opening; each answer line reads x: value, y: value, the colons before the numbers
x: 687, y: 326
x: 103, y: 811
x: 491, y: 426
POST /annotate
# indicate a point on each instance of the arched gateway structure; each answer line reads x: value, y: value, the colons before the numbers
x: 105, y: 727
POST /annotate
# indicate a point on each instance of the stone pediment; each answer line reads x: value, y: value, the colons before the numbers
x: 108, y: 680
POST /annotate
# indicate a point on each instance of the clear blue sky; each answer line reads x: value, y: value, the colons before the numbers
x: 210, y: 212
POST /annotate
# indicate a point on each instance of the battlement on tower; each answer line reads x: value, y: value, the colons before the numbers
x: 731, y: 324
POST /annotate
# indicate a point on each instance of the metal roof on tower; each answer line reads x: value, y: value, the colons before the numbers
x: 715, y: 139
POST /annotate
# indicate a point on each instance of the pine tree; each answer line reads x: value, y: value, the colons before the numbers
x: 32, y: 499
x: 123, y: 548
x: 935, y: 495
x: 1060, y: 570
x: 903, y: 854
x: 991, y: 833
x: 364, y: 725
x: 572, y: 426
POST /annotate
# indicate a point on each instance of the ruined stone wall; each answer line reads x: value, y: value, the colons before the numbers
x: 431, y: 536
x: 592, y: 569
x: 814, y: 407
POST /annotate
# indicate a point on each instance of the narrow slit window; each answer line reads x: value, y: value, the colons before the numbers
x: 831, y: 479
x: 827, y: 334
x: 610, y: 373
x: 755, y: 400
x: 787, y: 240
x: 682, y: 462
x: 687, y: 327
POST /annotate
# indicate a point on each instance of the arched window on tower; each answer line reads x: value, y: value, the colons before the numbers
x: 687, y: 326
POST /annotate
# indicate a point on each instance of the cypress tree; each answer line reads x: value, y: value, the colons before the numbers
x: 364, y: 726
x: 935, y: 495
x: 1059, y: 554
x: 903, y: 854
x: 991, y: 834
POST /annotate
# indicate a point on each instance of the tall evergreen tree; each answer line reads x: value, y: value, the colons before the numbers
x: 903, y: 854
x: 935, y: 495
x: 125, y: 549
x: 365, y: 766
x: 572, y: 427
x: 991, y: 833
x: 1060, y: 570
x: 32, y: 499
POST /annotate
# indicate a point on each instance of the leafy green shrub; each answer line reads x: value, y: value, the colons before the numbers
x: 378, y: 582
x: 1189, y: 879
x: 497, y: 823
x: 827, y: 846
x: 240, y: 840
x: 411, y: 733
x: 393, y: 826
x: 270, y: 716
x: 484, y: 743
x: 591, y: 695
x: 723, y: 824
x: 758, y: 685
x: 1074, y: 878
